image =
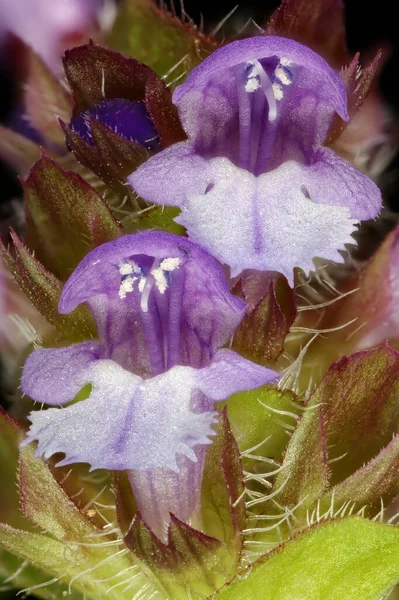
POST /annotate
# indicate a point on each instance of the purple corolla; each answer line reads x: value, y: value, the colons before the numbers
x: 163, y: 309
x: 255, y: 186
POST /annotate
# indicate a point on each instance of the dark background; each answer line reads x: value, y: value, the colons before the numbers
x: 369, y: 26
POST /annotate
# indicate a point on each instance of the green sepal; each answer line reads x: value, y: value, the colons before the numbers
x: 65, y: 217
x: 17, y: 574
x: 112, y: 157
x: 161, y: 217
x: 84, y: 566
x: 190, y: 561
x: 319, y: 25
x: 223, y: 505
x: 44, y: 291
x: 271, y: 312
x: 10, y: 435
x: 46, y: 100
x: 158, y: 38
x: 346, y: 432
x: 351, y: 558
x: 96, y: 73
x: 164, y: 115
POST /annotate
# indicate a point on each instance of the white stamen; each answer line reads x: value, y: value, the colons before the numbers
x: 283, y: 76
x: 160, y: 280
x: 126, y: 286
x: 141, y: 285
x: 253, y: 82
x: 278, y: 91
x: 125, y: 269
x: 129, y: 266
x: 170, y: 264
x: 285, y: 62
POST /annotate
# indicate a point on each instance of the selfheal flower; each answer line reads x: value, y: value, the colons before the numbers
x: 255, y: 186
x: 163, y: 309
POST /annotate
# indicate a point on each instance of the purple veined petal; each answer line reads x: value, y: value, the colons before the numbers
x: 162, y: 492
x: 331, y: 180
x: 259, y: 102
x: 230, y: 373
x: 179, y: 169
x: 266, y: 223
x: 127, y: 422
x: 55, y: 376
x: 127, y: 118
x: 158, y: 293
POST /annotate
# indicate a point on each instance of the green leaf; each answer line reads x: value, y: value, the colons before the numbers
x: 66, y: 218
x: 157, y: 38
x: 352, y: 559
x: 44, y: 291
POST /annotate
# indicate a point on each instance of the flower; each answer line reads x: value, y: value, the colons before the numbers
x: 163, y: 309
x: 46, y: 25
x: 255, y: 185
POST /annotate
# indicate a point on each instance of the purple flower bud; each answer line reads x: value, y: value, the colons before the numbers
x: 127, y: 118
x: 255, y: 187
x: 163, y: 308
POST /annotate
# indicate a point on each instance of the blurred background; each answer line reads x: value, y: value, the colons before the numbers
x: 51, y: 25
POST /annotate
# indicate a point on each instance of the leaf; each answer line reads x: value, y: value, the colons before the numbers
x: 17, y: 151
x: 44, y: 291
x: 319, y: 25
x: 157, y: 38
x: 270, y: 314
x: 66, y: 218
x: 351, y: 558
x: 46, y: 100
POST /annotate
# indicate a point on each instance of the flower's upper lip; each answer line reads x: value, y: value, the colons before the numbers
x: 243, y: 51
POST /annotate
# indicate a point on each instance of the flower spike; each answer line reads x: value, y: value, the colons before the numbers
x: 252, y: 174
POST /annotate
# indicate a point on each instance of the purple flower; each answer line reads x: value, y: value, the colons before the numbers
x: 46, y: 25
x: 255, y: 186
x: 163, y: 308
x: 127, y: 118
